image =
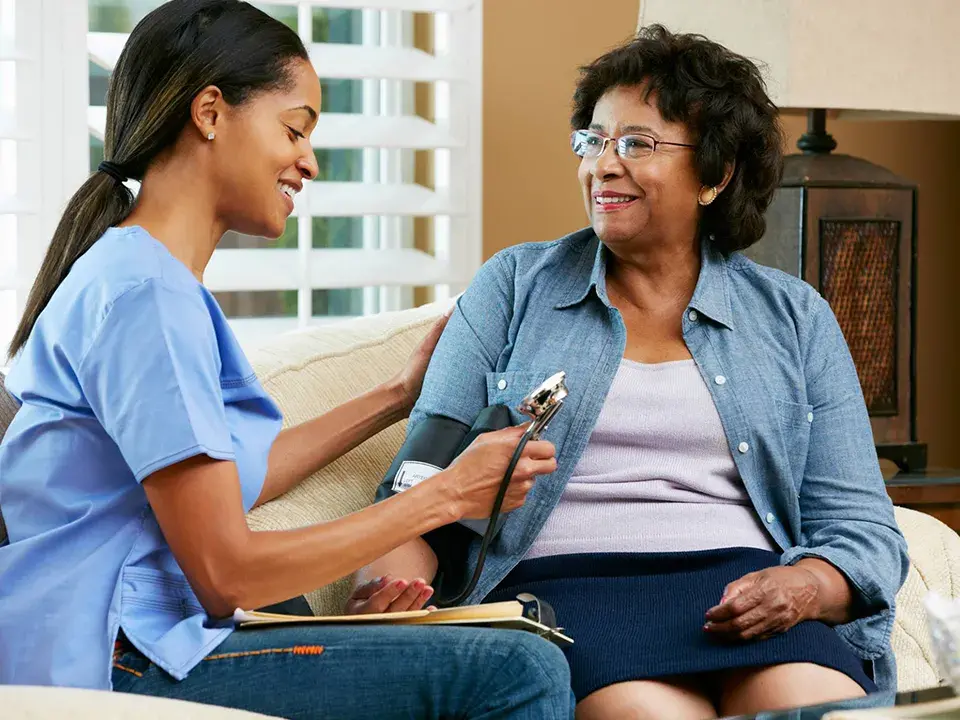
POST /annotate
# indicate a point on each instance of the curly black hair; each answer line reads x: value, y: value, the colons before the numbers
x: 721, y: 97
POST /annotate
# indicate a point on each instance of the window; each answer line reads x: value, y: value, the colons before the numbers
x: 12, y: 208
x: 398, y: 146
x: 42, y: 131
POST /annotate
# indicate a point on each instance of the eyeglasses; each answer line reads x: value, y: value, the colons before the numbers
x: 590, y: 144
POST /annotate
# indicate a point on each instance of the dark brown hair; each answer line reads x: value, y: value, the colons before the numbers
x: 174, y: 53
x: 721, y: 97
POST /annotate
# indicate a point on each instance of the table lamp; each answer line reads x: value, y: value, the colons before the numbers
x: 845, y: 225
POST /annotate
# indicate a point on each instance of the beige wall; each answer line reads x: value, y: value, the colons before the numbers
x: 531, y: 52
x: 532, y: 49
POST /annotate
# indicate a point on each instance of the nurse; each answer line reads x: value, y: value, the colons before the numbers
x: 144, y: 436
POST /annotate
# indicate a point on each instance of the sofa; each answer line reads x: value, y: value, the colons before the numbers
x: 310, y: 371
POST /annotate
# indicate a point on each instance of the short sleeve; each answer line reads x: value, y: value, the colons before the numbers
x: 152, y: 378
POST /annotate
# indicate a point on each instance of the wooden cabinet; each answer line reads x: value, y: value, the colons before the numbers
x: 934, y: 492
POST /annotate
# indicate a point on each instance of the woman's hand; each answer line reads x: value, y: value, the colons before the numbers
x: 385, y: 594
x: 409, y: 381
x: 764, y: 603
x: 473, y: 480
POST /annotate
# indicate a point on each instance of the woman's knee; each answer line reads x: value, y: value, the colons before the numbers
x: 779, y: 687
x: 525, y: 674
x: 539, y: 661
x: 676, y: 698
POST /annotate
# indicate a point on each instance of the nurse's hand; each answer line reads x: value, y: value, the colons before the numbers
x: 408, y: 383
x: 472, y: 482
x: 386, y: 594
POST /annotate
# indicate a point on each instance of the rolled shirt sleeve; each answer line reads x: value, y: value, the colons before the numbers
x: 845, y: 512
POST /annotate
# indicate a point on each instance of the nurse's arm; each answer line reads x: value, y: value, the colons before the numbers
x: 199, y: 507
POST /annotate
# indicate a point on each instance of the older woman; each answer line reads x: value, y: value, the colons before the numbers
x: 717, y: 537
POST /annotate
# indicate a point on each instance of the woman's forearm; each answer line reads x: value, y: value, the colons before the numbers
x: 414, y: 559
x: 275, y: 566
x: 300, y: 451
x: 834, y: 595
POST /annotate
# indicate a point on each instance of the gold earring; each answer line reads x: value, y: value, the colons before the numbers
x: 713, y: 196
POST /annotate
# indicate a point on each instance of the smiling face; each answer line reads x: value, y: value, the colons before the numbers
x: 264, y: 154
x: 633, y: 203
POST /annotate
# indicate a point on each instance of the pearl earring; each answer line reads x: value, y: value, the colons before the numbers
x: 210, y: 136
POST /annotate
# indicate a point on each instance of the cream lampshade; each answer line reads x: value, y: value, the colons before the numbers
x: 860, y: 57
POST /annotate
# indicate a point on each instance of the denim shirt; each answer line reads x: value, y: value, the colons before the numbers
x: 775, y: 361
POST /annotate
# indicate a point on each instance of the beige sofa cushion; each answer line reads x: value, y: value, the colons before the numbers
x: 934, y: 565
x: 312, y: 371
x: 43, y: 703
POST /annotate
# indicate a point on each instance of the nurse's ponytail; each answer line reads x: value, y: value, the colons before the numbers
x: 174, y: 53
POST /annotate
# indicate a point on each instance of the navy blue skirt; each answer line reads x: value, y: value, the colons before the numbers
x: 641, y: 616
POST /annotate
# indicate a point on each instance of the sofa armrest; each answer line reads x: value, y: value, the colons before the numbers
x: 8, y: 408
x: 312, y: 371
x: 40, y: 703
x: 934, y: 551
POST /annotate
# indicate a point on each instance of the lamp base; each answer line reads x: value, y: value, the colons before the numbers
x: 848, y: 227
x: 909, y: 457
x: 816, y: 140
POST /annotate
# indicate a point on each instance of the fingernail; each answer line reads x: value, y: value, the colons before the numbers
x: 707, y: 626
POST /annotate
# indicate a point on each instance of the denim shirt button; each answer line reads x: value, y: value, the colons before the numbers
x: 770, y: 518
x: 809, y: 417
x: 720, y: 380
x: 743, y: 447
x: 693, y: 315
x: 502, y: 385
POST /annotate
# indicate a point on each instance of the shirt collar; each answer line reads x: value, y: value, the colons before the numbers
x: 710, y: 298
x: 590, y: 272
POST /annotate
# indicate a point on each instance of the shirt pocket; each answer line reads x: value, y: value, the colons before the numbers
x: 150, y: 597
x: 510, y: 387
x: 795, y: 422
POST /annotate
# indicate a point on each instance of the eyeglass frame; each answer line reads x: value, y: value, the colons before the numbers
x: 616, y: 144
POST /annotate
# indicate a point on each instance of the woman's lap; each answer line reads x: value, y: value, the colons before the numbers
x: 307, y: 671
x: 651, y: 609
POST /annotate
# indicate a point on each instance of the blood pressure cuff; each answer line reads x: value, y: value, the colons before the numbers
x: 430, y: 447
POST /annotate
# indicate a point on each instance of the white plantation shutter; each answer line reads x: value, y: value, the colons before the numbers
x: 355, y: 248
x: 43, y: 154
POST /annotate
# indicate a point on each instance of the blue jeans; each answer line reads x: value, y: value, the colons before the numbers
x: 383, y: 672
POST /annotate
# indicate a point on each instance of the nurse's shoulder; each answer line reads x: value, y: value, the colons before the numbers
x: 125, y: 272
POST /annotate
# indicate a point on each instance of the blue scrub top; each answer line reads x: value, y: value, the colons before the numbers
x: 131, y: 368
